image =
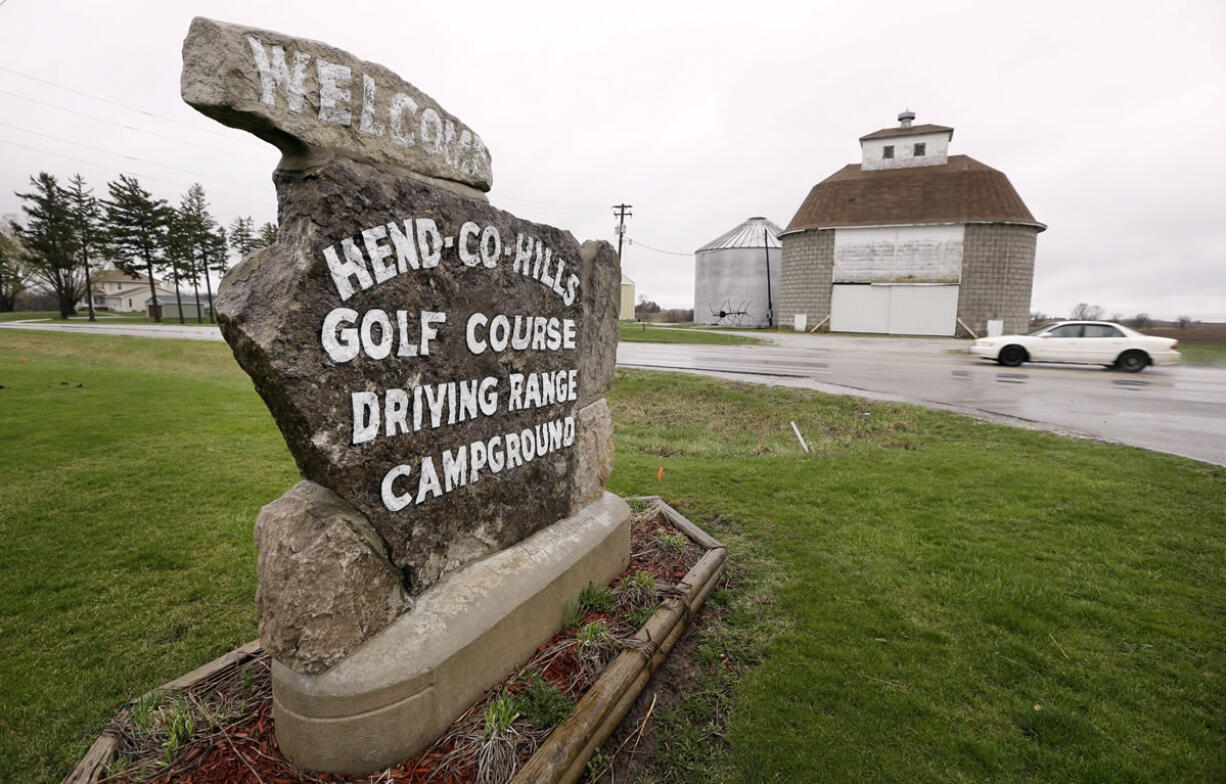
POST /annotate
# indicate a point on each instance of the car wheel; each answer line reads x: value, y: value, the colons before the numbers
x: 1011, y: 356
x: 1132, y: 361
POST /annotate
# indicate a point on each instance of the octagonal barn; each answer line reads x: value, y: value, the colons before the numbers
x: 736, y: 277
x: 910, y: 241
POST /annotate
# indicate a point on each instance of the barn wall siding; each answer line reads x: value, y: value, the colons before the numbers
x: 997, y: 276
x: 898, y: 253
x: 806, y: 273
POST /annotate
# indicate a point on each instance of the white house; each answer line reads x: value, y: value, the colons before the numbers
x: 119, y: 292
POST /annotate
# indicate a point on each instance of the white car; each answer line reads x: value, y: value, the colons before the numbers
x: 1081, y: 342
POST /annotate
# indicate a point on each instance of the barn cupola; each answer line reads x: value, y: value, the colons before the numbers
x: 906, y: 146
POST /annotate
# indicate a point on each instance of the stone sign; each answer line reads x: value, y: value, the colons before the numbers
x: 437, y: 366
x: 309, y: 99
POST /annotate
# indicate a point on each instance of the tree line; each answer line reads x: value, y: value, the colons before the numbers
x: 1084, y: 311
x: 68, y: 233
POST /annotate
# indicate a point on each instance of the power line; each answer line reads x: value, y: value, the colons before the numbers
x: 122, y: 155
x: 108, y: 167
x: 657, y: 250
x: 129, y: 127
x: 116, y: 103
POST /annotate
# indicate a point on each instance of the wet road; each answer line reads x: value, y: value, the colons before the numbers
x: 183, y: 331
x: 1181, y: 410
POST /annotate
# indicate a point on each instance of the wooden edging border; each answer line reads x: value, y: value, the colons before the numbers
x: 91, y: 766
x: 563, y: 758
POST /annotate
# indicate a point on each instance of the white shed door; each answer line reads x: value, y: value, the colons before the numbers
x: 895, y: 309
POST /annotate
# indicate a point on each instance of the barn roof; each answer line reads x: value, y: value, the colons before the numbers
x: 753, y: 233
x: 910, y: 130
x: 188, y: 299
x: 961, y: 191
x: 116, y: 276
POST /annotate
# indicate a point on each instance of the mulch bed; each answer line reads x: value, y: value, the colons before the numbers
x: 231, y: 738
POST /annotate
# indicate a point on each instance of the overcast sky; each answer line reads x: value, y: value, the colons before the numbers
x: 1109, y: 118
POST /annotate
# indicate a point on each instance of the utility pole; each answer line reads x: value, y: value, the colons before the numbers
x: 770, y: 308
x: 622, y: 211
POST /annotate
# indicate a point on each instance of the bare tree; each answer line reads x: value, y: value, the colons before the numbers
x: 1183, y: 322
x: 1083, y: 311
x: 1141, y: 321
x: 644, y: 308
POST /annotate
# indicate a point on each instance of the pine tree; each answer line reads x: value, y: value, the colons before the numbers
x: 242, y: 236
x: 196, y: 226
x: 215, y: 260
x: 136, y: 230
x: 178, y: 255
x: 12, y: 270
x: 87, y: 224
x: 267, y: 235
x: 49, y: 240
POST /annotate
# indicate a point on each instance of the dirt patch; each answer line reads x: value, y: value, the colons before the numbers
x: 1203, y: 333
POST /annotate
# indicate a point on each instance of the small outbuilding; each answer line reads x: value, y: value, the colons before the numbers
x: 169, y: 305
x: 736, y: 276
x: 626, y: 311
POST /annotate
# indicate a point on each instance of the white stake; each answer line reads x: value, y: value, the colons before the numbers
x: 796, y: 430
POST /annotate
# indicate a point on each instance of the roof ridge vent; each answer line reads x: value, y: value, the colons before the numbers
x: 906, y: 118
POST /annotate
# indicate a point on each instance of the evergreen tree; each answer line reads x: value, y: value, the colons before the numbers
x: 136, y: 230
x: 242, y: 236
x: 196, y: 227
x: 49, y: 241
x: 215, y: 260
x: 87, y: 224
x: 179, y: 260
x: 267, y: 235
x: 12, y: 270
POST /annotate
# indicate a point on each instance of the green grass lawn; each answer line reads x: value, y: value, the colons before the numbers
x: 19, y: 315
x: 646, y: 333
x: 1203, y: 354
x: 949, y: 601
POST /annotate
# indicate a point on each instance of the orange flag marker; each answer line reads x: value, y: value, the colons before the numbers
x: 660, y: 475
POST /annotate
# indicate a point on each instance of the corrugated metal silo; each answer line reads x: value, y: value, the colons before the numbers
x: 736, y: 277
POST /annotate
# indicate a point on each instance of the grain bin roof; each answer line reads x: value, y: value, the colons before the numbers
x: 747, y: 235
x: 961, y: 191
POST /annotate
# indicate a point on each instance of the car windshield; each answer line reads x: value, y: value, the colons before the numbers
x: 1040, y: 330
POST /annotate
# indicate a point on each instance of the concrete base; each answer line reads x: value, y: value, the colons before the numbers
x: 397, y: 693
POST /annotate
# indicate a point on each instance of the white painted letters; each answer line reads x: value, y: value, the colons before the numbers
x: 334, y: 92
x: 275, y: 73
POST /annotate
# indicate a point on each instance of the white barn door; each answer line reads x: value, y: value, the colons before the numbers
x: 895, y: 309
